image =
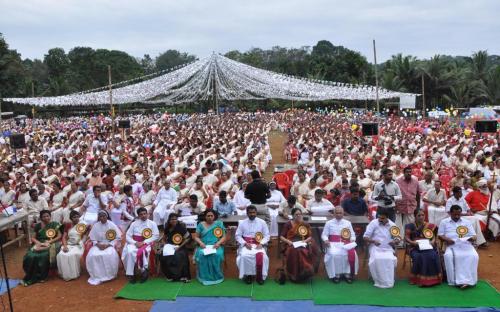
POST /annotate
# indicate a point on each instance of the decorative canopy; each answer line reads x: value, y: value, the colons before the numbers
x: 216, y: 75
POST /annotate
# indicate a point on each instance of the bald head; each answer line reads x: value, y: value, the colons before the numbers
x: 338, y: 212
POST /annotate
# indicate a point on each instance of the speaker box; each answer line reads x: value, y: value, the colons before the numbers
x: 17, y: 141
x: 486, y: 126
x: 369, y: 128
x: 124, y: 124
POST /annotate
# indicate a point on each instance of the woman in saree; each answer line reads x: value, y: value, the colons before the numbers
x: 68, y: 259
x: 42, y: 254
x: 210, y: 232
x: 426, y: 267
x: 176, y: 267
x: 302, y: 262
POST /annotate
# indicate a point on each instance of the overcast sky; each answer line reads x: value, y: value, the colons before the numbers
x: 422, y: 28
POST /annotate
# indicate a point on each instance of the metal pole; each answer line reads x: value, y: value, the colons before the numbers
x: 423, y: 95
x: 33, y: 95
x: 376, y: 74
x: 6, y: 275
x: 111, y: 99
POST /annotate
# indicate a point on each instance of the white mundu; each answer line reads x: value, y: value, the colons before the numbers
x: 139, y: 231
x: 382, y: 262
x: 252, y: 231
x: 163, y: 204
x: 68, y: 263
x: 102, y: 265
x: 339, y: 260
x: 460, y: 259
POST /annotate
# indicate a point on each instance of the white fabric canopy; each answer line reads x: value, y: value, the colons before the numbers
x: 227, y: 79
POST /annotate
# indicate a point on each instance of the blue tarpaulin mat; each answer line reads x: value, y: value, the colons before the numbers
x: 3, y: 285
x: 184, y: 304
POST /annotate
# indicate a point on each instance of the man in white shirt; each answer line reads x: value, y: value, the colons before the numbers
x: 141, y: 235
x: 460, y: 258
x: 459, y: 200
x: 166, y: 198
x: 435, y: 198
x: 92, y: 204
x: 319, y: 206
x: 252, y: 234
x: 339, y: 260
x: 35, y: 204
x: 382, y: 235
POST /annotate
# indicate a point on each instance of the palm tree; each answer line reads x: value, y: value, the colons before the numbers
x: 438, y: 78
x: 490, y: 91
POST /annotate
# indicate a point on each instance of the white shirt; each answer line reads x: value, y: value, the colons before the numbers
x: 248, y: 228
x: 138, y: 226
x: 276, y: 198
x: 448, y: 228
x: 459, y: 202
x: 380, y: 232
x: 92, y: 203
x: 335, y: 227
x: 321, y: 208
x: 170, y: 196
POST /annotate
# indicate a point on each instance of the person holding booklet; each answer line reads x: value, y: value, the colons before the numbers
x: 341, y: 259
x: 382, y: 235
x: 460, y: 258
x: 420, y: 238
x: 175, y: 260
x: 252, y: 235
x: 210, y: 236
x: 300, y: 251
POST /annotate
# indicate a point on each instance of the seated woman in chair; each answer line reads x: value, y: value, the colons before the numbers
x: 302, y: 262
x: 176, y: 267
x: 42, y: 254
x: 68, y: 259
x: 426, y: 267
x: 210, y: 232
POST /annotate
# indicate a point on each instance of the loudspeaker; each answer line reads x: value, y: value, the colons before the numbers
x: 486, y: 126
x: 369, y: 128
x: 124, y: 124
x: 17, y: 141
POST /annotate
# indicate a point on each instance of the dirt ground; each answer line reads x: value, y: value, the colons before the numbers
x: 78, y: 295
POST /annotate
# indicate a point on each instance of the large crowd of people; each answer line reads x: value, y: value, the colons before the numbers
x: 161, y: 190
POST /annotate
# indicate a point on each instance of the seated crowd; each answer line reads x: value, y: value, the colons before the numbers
x: 164, y: 189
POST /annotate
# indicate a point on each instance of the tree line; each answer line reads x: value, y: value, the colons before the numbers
x: 449, y: 81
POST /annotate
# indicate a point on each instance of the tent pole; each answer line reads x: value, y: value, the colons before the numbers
x: 111, y: 99
x: 376, y: 75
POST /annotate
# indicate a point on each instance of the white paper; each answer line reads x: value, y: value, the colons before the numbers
x: 169, y: 250
x: 299, y: 244
x: 209, y: 249
x: 290, y: 217
x: 189, y: 221
x: 424, y: 244
x: 337, y: 244
x: 318, y: 218
x: 350, y: 246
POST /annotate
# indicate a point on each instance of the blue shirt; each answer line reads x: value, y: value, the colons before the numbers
x: 227, y: 208
x: 355, y: 208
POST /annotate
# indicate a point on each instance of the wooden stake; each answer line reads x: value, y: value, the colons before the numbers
x: 112, y: 110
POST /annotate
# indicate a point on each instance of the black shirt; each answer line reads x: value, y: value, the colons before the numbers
x: 257, y: 192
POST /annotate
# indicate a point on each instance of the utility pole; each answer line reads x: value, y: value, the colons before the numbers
x: 376, y: 75
x: 33, y: 95
x: 111, y: 99
x: 423, y: 95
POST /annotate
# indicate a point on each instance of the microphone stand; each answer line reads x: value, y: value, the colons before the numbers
x: 6, y: 274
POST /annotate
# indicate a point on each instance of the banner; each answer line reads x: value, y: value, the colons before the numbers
x: 407, y: 101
